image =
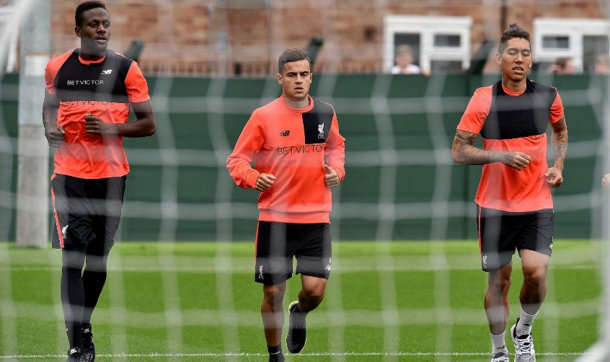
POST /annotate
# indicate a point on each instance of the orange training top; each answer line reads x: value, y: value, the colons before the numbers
x: 103, y: 88
x: 290, y: 144
x: 513, y: 122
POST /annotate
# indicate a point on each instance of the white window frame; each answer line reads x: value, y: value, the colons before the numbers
x: 574, y: 29
x: 428, y: 27
x: 8, y: 40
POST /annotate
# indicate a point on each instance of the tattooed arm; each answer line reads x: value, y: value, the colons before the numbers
x: 559, y: 140
x: 464, y: 152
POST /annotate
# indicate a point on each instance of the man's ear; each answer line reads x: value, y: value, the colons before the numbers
x: 77, y: 31
x: 279, y: 78
x: 498, y: 59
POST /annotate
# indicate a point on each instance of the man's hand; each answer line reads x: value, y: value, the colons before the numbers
x: 55, y: 136
x: 516, y: 160
x: 95, y: 126
x: 264, y: 182
x: 331, y: 178
x: 606, y: 181
x: 554, y: 177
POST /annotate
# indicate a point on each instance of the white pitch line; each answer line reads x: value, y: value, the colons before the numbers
x: 327, y: 354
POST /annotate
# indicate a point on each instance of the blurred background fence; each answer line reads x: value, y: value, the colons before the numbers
x: 389, y: 123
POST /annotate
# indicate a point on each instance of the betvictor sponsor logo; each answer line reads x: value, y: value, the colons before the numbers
x: 291, y: 150
x: 85, y: 82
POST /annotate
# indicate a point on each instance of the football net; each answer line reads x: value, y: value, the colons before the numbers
x: 401, y: 185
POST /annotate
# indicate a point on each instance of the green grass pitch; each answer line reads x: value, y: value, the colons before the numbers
x: 400, y: 301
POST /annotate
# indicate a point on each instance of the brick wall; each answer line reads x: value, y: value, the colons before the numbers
x: 207, y: 36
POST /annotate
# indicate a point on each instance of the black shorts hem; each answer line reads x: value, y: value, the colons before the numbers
x: 268, y: 280
x: 489, y: 270
x: 314, y: 275
x: 542, y: 251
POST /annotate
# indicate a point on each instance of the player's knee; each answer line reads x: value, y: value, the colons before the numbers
x: 314, y: 292
x: 500, y: 284
x: 505, y: 285
x: 73, y: 257
x: 96, y: 264
x: 273, y: 294
x: 534, y: 277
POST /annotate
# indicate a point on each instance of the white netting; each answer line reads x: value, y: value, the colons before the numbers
x: 401, y: 184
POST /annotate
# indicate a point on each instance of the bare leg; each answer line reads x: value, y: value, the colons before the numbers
x: 273, y: 313
x: 533, y: 291
x: 311, y: 294
x: 496, y: 299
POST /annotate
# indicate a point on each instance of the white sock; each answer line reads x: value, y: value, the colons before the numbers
x: 524, y: 326
x: 497, y: 342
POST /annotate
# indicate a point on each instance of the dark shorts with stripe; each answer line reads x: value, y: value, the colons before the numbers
x: 86, y: 211
x: 502, y: 232
x: 277, y: 244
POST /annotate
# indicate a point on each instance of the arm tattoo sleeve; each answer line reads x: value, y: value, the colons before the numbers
x: 464, y: 152
x: 559, y: 141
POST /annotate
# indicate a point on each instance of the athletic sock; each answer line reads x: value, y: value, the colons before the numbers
x: 72, y: 293
x: 524, y: 326
x: 275, y: 353
x: 497, y: 342
x: 94, y: 278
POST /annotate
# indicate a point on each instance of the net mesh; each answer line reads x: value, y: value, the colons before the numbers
x: 387, y: 300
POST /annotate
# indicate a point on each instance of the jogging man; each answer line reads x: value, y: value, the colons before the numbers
x: 85, y: 114
x: 298, y: 157
x: 515, y: 206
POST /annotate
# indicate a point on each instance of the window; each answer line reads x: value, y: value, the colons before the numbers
x: 439, y: 43
x: 447, y: 40
x: 555, y: 42
x: 583, y: 40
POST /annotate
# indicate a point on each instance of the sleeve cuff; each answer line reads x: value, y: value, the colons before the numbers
x: 252, y: 177
x: 139, y: 99
x: 340, y: 171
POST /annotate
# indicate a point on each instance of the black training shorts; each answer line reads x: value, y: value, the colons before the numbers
x: 277, y: 243
x: 502, y: 232
x: 86, y: 210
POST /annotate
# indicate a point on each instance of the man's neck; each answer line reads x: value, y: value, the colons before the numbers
x: 91, y: 56
x: 515, y: 87
x: 296, y: 103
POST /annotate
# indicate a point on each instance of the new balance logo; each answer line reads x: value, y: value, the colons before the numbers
x: 107, y: 71
x: 260, y: 273
x: 329, y: 264
x: 64, y: 231
x: 285, y: 133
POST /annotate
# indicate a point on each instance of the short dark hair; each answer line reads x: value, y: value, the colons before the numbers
x: 87, y: 5
x: 292, y: 55
x: 513, y: 31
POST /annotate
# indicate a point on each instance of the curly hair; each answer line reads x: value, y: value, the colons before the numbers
x: 87, y: 5
x: 513, y: 31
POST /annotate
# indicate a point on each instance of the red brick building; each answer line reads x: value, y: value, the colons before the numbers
x: 246, y: 36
